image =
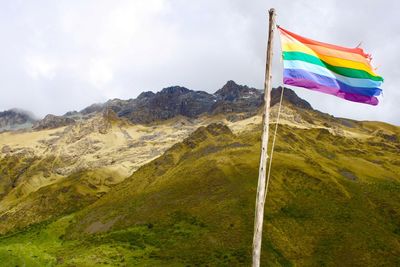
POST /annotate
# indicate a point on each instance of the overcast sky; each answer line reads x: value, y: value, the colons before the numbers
x: 58, y: 56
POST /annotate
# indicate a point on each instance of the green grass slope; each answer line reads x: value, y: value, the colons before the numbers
x: 64, y: 197
x: 333, y: 201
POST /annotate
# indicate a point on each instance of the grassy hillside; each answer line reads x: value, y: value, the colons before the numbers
x: 333, y: 201
x: 47, y: 173
x: 68, y: 195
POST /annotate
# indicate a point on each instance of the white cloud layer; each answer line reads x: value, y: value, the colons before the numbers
x: 63, y: 55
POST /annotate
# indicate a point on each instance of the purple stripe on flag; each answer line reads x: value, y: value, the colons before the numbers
x: 330, y: 82
x: 370, y: 100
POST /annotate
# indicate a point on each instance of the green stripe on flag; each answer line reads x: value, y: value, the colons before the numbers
x: 349, y: 72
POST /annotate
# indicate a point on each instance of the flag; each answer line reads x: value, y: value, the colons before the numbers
x: 340, y: 71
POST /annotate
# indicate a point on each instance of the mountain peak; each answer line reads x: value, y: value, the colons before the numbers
x: 178, y: 90
x: 230, y: 83
x: 14, y: 119
x: 232, y: 91
x: 144, y: 95
x: 230, y: 86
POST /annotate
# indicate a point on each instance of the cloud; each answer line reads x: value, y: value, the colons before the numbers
x: 64, y: 55
x: 100, y: 73
x: 40, y: 68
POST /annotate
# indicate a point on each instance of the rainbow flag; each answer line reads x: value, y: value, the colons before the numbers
x: 340, y: 71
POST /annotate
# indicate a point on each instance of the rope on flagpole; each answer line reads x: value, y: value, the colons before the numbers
x: 273, y: 143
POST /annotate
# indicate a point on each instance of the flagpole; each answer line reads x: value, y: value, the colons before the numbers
x: 260, y: 198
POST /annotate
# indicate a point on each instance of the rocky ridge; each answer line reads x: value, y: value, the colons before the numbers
x: 175, y: 101
x: 51, y: 121
x: 238, y: 101
x: 15, y: 119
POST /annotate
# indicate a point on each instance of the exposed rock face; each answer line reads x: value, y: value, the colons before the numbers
x: 92, y: 108
x: 52, y: 121
x: 236, y: 101
x: 233, y: 92
x: 234, y: 98
x: 14, y: 119
x: 176, y: 100
x: 168, y: 103
x: 289, y: 96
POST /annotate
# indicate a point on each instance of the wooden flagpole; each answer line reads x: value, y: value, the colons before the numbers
x: 261, y: 187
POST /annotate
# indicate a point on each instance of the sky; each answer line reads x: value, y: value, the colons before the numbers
x: 58, y: 56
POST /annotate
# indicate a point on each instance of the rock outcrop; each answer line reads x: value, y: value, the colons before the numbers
x: 52, y: 121
x: 176, y: 100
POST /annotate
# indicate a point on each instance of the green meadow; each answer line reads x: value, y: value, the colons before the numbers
x: 332, y: 201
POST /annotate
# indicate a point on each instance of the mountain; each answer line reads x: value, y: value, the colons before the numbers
x: 15, y: 119
x: 177, y: 187
x: 166, y: 104
x: 104, y: 143
x: 175, y: 101
x: 239, y: 101
x: 148, y: 107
